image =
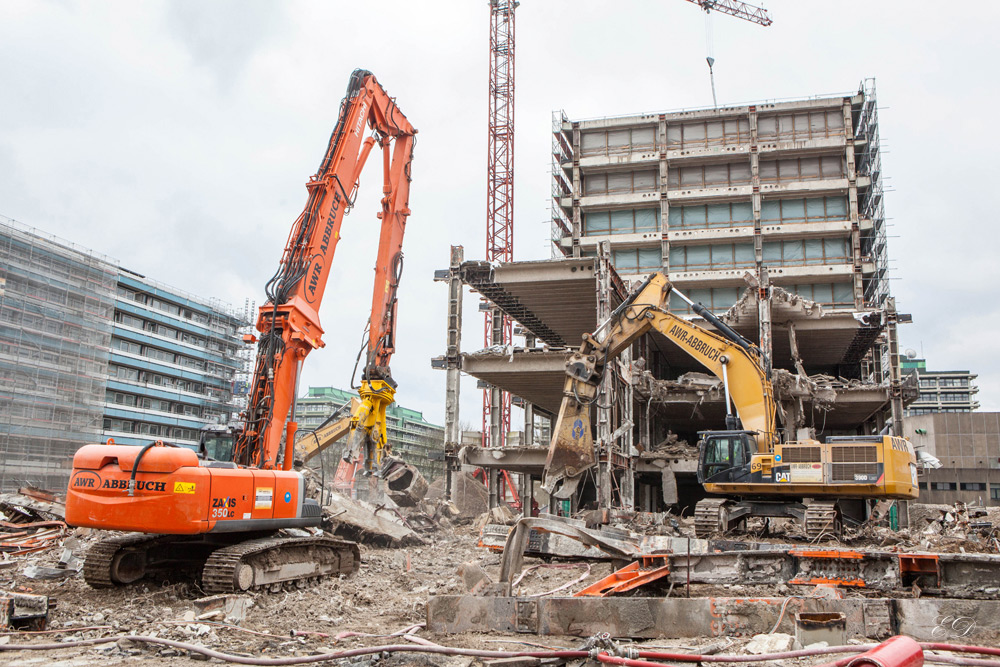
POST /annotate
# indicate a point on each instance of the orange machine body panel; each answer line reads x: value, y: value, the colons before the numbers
x: 177, y: 493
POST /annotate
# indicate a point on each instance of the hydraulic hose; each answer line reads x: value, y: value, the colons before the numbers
x: 299, y: 660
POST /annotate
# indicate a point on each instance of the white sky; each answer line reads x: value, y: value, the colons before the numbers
x: 177, y: 137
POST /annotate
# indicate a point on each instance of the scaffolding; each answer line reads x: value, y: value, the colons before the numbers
x: 871, y: 201
x: 56, y: 306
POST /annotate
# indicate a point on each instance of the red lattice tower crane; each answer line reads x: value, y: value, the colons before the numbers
x: 500, y: 200
x: 500, y: 180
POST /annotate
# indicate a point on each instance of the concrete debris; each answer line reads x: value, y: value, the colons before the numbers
x: 500, y: 514
x: 777, y: 642
x: 30, y: 520
x: 229, y: 608
x: 22, y: 611
x: 404, y: 483
x: 476, y: 580
x: 468, y: 495
x: 363, y: 522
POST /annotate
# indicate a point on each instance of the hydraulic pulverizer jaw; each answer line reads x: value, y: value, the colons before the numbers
x: 571, y: 452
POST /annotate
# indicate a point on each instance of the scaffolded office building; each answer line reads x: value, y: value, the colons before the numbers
x: 89, y: 350
x: 56, y: 302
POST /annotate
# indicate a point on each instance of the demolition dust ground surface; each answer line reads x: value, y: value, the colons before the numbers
x: 388, y: 595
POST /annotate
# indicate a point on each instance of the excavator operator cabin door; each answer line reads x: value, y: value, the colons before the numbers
x: 725, y: 458
x: 217, y: 445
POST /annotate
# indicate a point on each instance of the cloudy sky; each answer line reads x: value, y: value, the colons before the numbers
x: 177, y: 137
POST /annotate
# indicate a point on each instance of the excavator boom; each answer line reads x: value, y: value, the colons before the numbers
x: 289, y: 322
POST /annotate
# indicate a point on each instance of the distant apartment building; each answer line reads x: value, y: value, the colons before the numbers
x: 941, y: 391
x: 89, y: 350
x: 173, y: 360
x: 412, y: 438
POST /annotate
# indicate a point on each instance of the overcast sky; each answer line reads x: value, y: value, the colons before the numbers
x: 177, y: 138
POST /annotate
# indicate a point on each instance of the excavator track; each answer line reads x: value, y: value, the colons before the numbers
x: 272, y: 562
x: 99, y: 564
x: 822, y: 518
x: 706, y: 516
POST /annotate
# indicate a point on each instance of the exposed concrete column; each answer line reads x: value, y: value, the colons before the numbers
x: 628, y: 451
x: 605, y: 391
x: 764, y: 318
x: 852, y: 206
x: 529, y: 408
x: 661, y: 132
x: 497, y: 438
x: 526, y: 493
x: 452, y: 363
x: 895, y: 375
x: 764, y: 329
x: 577, y: 191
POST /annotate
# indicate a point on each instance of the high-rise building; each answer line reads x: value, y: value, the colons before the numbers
x: 941, y: 391
x: 707, y: 195
x: 412, y: 438
x: 90, y: 350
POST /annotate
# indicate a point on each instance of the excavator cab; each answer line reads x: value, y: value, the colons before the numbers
x: 724, y: 456
x: 216, y: 443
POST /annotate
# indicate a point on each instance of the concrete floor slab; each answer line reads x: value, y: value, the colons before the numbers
x: 924, y: 619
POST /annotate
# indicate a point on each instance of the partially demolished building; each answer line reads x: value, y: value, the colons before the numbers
x: 769, y: 214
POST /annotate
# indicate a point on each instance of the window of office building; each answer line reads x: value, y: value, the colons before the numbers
x: 711, y: 215
x: 801, y: 125
x: 627, y: 221
x: 604, y: 142
x: 815, y: 209
x: 709, y: 175
x: 636, y: 260
x: 619, y: 182
x: 803, y: 252
x: 711, y: 257
x: 708, y: 134
x: 802, y: 169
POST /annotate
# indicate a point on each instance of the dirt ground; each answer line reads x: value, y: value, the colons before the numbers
x: 388, y: 595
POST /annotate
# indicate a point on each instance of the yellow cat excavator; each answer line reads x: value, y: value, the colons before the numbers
x: 746, y: 467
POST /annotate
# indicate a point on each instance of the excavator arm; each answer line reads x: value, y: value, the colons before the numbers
x: 726, y: 355
x: 289, y: 322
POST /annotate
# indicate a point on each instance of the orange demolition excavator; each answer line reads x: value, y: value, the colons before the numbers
x: 221, y: 518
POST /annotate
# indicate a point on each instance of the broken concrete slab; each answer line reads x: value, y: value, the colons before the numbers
x: 23, y: 611
x: 639, y: 618
x: 360, y: 521
x: 656, y: 618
